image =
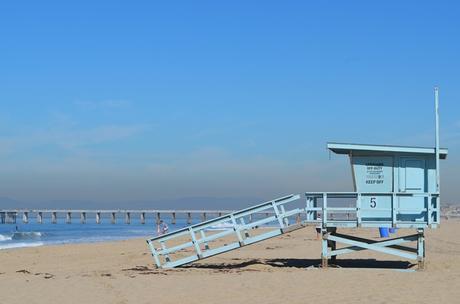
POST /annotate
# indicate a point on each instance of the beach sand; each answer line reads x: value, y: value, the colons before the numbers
x: 280, y: 270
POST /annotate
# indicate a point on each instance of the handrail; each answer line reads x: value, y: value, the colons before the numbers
x: 194, y: 236
x: 219, y: 219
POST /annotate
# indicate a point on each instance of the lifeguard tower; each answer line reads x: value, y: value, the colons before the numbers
x: 394, y: 187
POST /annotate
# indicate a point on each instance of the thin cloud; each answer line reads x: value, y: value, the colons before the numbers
x: 70, y: 138
x: 98, y: 135
x: 103, y: 104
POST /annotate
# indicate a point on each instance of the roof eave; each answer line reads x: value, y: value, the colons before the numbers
x: 346, y: 148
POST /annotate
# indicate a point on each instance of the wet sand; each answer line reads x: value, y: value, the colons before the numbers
x: 280, y: 270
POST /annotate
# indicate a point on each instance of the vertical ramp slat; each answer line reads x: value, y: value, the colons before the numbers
x: 163, y: 247
x: 195, y: 243
x: 243, y: 224
x: 236, y: 229
x: 277, y: 213
x: 284, y: 216
x: 154, y: 254
x: 203, y: 236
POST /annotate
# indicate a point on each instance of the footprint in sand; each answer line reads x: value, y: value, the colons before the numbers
x: 46, y: 275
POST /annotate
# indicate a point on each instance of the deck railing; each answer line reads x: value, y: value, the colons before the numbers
x: 374, y: 209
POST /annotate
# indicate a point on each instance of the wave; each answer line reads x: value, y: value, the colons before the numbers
x: 26, y: 235
x: 21, y: 245
x: 4, y: 237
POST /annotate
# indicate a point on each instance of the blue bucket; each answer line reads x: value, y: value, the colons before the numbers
x: 393, y: 230
x: 384, y: 232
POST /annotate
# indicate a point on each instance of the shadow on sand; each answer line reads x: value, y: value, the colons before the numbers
x: 306, y: 263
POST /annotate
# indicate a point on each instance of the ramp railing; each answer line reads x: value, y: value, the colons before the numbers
x: 228, y: 232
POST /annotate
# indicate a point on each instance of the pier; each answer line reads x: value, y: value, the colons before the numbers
x: 40, y: 216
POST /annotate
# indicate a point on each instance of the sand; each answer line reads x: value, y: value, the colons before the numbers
x: 280, y: 270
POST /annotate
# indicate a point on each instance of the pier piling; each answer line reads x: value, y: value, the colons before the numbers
x: 25, y: 217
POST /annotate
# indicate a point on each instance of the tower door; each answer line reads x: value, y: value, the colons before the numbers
x: 412, y: 175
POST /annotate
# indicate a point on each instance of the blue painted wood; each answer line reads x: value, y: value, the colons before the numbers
x: 375, y: 247
x: 154, y: 254
x: 381, y: 168
x: 385, y: 243
x: 199, y: 241
x: 347, y: 148
x: 397, y: 215
x: 194, y: 236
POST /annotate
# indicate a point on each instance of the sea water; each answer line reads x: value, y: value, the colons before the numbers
x: 34, y: 234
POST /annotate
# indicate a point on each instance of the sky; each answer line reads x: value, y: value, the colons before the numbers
x: 128, y: 102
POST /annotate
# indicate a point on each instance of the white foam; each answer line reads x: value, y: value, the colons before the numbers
x: 5, y: 238
x: 21, y: 245
x: 26, y: 235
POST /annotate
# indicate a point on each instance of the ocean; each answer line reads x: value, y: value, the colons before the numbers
x: 33, y: 234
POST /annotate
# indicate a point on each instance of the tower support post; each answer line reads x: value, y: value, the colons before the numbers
x: 421, y: 249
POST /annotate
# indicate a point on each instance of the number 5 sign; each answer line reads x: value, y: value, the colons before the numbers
x: 373, y: 202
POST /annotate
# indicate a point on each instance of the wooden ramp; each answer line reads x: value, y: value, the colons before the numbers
x: 228, y: 232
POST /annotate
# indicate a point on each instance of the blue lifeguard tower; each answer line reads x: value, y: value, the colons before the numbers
x: 394, y: 187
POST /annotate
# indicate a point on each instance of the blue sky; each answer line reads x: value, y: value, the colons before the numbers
x: 146, y: 100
